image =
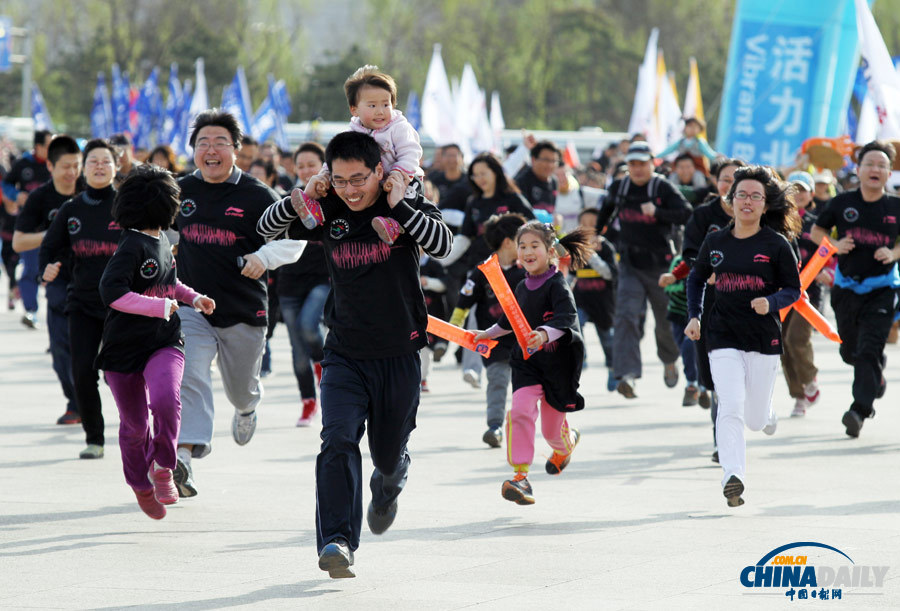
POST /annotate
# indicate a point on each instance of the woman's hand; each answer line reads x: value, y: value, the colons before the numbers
x: 692, y: 330
x: 760, y: 305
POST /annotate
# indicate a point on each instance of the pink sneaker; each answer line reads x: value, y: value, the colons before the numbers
x: 310, y: 407
x: 149, y: 504
x: 163, y: 484
x: 309, y: 210
x: 387, y: 228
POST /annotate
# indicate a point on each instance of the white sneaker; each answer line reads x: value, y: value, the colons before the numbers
x: 470, y: 377
x: 769, y: 429
x: 243, y: 426
x: 800, y: 408
x: 811, y: 391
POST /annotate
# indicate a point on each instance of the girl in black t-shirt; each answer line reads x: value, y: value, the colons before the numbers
x: 756, y: 275
x: 143, y: 348
x: 552, y: 372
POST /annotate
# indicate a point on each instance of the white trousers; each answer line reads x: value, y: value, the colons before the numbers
x: 744, y: 384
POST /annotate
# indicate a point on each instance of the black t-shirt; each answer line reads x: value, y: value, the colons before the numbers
x: 596, y: 295
x: 557, y: 365
x: 705, y: 219
x: 641, y: 235
x: 84, y: 230
x: 453, y: 193
x: 807, y: 248
x: 435, y: 301
x: 541, y: 193
x: 217, y: 224
x: 871, y: 224
x: 39, y: 211
x: 745, y: 269
x: 478, y: 211
x: 144, y: 265
x: 477, y: 292
x: 375, y: 308
x: 311, y: 270
x: 27, y: 173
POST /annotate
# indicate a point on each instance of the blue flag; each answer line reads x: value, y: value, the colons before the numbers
x: 413, y: 111
x: 173, y: 109
x: 179, y: 139
x: 119, y: 100
x: 39, y: 111
x: 236, y: 99
x: 101, y: 112
x: 272, y: 114
x: 147, y: 107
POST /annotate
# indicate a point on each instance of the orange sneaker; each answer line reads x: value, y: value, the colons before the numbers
x: 558, y: 462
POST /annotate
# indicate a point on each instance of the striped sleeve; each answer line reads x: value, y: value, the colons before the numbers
x: 425, y: 225
x: 276, y: 219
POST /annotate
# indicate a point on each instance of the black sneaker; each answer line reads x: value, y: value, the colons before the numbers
x: 184, y: 479
x: 381, y: 519
x: 734, y: 487
x: 853, y: 423
x: 882, y: 387
x: 518, y: 490
x: 715, y: 456
x: 704, y: 400
x: 493, y: 437
x: 336, y: 558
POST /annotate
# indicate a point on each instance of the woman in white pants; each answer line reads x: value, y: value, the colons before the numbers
x: 755, y: 276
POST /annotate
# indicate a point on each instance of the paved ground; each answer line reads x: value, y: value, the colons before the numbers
x: 637, y: 521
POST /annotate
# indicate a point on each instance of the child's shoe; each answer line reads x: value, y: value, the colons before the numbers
x: 811, y: 392
x: 518, y: 490
x: 387, y: 229
x: 310, y: 407
x: 800, y: 406
x: 149, y: 504
x: 558, y: 462
x: 309, y: 210
x: 163, y: 484
x: 425, y: 386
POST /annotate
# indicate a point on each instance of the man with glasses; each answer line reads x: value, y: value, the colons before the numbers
x: 649, y: 209
x: 376, y: 317
x: 221, y: 255
x: 537, y: 182
x: 864, y: 296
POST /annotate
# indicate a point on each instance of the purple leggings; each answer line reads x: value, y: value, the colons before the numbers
x: 156, y: 389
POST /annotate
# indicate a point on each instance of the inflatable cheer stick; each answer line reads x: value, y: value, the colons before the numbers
x: 494, y: 274
x: 805, y: 309
x: 812, y: 269
x: 464, y: 338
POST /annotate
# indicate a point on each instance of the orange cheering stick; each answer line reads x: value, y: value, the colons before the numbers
x: 803, y: 307
x: 464, y: 338
x: 494, y: 274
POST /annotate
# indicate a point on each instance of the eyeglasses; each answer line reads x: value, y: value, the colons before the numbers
x: 340, y: 183
x: 753, y: 197
x: 219, y: 146
x: 554, y: 160
x: 877, y: 166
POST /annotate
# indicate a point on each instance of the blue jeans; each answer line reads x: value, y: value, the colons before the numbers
x: 688, y: 352
x: 28, y: 285
x: 302, y: 318
x: 58, y: 328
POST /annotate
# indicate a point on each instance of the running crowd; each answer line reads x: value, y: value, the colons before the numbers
x: 154, y: 274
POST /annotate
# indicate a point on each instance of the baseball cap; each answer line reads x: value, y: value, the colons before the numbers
x: 804, y: 179
x: 639, y: 151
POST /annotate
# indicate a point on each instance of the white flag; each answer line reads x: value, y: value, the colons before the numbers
x: 497, y: 122
x: 882, y: 79
x: 199, y: 102
x: 645, y: 95
x: 438, y: 112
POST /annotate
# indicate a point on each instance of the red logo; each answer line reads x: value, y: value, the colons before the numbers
x: 775, y: 342
x: 114, y: 226
x: 760, y: 259
x: 548, y: 315
x: 232, y: 211
x: 260, y: 313
x: 889, y: 220
x: 413, y: 335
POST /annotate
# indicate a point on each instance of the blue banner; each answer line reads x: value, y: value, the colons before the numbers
x: 148, y: 104
x: 173, y: 109
x: 101, y: 112
x: 39, y: 112
x: 5, y: 43
x: 791, y: 69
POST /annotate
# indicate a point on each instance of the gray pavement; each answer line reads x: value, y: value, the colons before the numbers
x: 637, y: 521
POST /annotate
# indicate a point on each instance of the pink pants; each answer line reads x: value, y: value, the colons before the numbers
x: 520, y: 427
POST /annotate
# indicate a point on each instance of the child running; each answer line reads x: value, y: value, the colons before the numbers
x: 372, y: 96
x: 756, y: 275
x: 499, y: 234
x: 552, y: 373
x: 143, y: 348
